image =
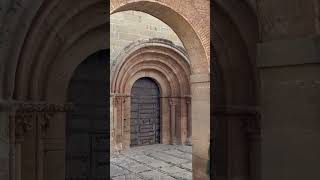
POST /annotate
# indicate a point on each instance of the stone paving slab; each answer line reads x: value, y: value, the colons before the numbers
x: 187, y: 166
x: 132, y: 165
x: 179, y: 154
x: 154, y: 162
x: 127, y: 177
x: 168, y: 158
x: 117, y: 171
x: 150, y: 161
x: 156, y: 175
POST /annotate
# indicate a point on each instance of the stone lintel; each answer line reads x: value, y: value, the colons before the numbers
x: 289, y: 52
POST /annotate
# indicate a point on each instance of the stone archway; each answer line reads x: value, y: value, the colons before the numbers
x: 167, y: 65
x: 191, y: 22
x: 58, y: 34
x: 236, y: 131
x: 45, y: 53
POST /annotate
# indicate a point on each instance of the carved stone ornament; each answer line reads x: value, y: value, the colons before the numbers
x: 27, y: 113
x: 23, y: 123
x: 172, y: 102
x: 188, y: 100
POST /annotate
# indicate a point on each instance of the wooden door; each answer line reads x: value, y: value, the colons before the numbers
x: 145, y: 113
x: 87, y: 147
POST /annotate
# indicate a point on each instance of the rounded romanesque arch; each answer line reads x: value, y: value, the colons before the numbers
x: 169, y: 67
x: 189, y: 20
x: 51, y: 38
x: 235, y: 93
x: 46, y: 40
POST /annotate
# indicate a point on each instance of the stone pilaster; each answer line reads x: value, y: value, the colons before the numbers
x: 200, y: 91
x: 29, y: 123
x: 173, y: 105
x: 120, y: 122
x: 189, y: 121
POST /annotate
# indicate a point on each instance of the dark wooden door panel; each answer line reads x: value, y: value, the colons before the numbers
x: 86, y: 126
x: 145, y: 117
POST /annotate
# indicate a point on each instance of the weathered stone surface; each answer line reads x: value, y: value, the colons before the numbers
x: 156, y: 175
x: 117, y: 171
x: 157, y: 162
x: 130, y: 26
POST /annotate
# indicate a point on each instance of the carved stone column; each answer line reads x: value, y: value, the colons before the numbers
x: 20, y: 124
x: 200, y: 91
x: 30, y: 117
x: 252, y: 125
x: 173, y: 120
x: 119, y: 120
x: 189, y: 121
x: 112, y: 125
x: 116, y: 103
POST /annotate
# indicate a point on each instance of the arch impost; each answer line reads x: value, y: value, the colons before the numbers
x: 200, y: 78
x: 33, y: 106
x: 172, y: 101
x: 237, y: 110
x: 115, y: 95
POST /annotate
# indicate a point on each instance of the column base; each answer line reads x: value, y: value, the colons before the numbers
x: 174, y: 141
x: 189, y: 142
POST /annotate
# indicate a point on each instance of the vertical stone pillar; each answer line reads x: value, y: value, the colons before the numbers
x: 29, y: 125
x: 117, y: 121
x: 126, y: 121
x: 111, y: 124
x: 114, y: 122
x: 13, y: 171
x: 253, y: 132
x: 200, y: 91
x: 289, y: 70
x: 120, y: 120
x: 43, y: 121
x: 5, y: 143
x: 173, y: 120
x: 16, y: 159
x: 20, y: 124
x: 189, y: 121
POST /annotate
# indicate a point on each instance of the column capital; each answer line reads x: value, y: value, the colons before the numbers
x: 172, y: 102
x: 20, y: 106
x: 25, y: 113
x: 119, y: 99
x: 188, y: 100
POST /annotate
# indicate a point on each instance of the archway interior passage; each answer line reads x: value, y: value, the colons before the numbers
x: 87, y: 126
x: 145, y: 112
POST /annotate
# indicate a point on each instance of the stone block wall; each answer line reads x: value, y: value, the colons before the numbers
x: 130, y: 26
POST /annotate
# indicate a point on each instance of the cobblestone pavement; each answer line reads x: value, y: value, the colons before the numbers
x: 156, y: 162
